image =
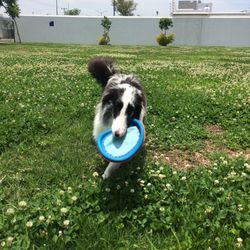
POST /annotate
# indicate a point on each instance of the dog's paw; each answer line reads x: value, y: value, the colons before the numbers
x: 105, y: 176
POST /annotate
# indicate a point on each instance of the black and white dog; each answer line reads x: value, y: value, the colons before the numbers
x: 123, y: 98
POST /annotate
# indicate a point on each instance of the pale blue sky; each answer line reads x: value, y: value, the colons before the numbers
x: 103, y: 7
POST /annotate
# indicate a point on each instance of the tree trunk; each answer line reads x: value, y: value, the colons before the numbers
x: 17, y: 30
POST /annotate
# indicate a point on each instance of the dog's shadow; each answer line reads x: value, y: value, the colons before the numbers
x: 123, y: 191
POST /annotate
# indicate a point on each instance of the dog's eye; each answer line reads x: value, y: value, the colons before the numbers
x: 117, y: 108
x: 110, y: 103
x: 129, y: 110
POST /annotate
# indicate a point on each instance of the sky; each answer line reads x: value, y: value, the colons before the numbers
x: 103, y: 7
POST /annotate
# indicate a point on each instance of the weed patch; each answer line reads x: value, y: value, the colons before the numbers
x: 189, y: 187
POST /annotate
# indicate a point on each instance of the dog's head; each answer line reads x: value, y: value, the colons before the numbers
x: 122, y: 103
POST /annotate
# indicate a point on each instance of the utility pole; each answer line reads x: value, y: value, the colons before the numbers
x: 56, y: 7
x: 114, y: 3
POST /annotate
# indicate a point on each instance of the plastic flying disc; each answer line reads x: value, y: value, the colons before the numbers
x: 122, y: 149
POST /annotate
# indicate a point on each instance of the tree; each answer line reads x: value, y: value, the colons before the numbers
x: 163, y: 39
x: 72, y: 12
x: 124, y: 7
x: 12, y: 9
x: 165, y: 23
x: 106, y: 24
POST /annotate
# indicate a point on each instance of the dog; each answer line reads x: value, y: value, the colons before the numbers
x: 123, y: 99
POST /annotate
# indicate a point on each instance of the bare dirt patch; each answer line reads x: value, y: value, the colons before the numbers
x: 211, y: 147
x: 188, y: 160
x: 182, y: 159
x: 214, y: 129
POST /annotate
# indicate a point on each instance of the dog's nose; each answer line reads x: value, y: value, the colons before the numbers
x: 118, y: 133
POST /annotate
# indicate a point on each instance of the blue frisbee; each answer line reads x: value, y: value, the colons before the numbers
x: 122, y: 149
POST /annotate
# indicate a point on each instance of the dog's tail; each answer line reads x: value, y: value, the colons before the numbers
x: 102, y: 68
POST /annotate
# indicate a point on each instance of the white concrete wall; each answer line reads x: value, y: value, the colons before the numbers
x: 213, y: 31
x: 201, y: 30
x: 87, y: 30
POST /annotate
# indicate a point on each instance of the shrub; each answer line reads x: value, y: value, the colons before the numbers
x: 103, y: 40
x: 163, y: 39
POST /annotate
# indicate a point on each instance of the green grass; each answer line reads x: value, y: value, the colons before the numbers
x: 50, y: 196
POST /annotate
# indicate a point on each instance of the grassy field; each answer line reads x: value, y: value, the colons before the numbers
x: 188, y: 189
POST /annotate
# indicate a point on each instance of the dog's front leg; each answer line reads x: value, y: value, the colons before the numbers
x: 109, y: 170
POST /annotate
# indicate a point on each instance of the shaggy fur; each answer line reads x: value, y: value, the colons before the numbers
x: 123, y: 99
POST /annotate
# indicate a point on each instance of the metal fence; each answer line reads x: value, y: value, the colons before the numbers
x: 6, y: 28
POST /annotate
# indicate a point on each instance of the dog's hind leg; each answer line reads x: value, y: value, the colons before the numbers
x: 109, y: 170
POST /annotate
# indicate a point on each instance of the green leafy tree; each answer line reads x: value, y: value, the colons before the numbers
x: 12, y: 9
x: 72, y: 12
x: 165, y: 23
x: 124, y: 7
x: 106, y: 24
x: 163, y: 39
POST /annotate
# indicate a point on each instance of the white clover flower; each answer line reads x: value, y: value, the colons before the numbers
x: 240, y: 207
x: 162, y: 209
x: 9, y: 240
x: 239, y: 240
x: 22, y: 204
x: 183, y: 178
x: 95, y: 174
x: 243, y: 174
x: 161, y: 168
x: 61, y: 192
x: 58, y: 202
x: 149, y: 184
x: 216, y: 182
x: 247, y: 166
x: 232, y: 174
x: 10, y: 211
x: 3, y: 243
x: 138, y: 168
x: 168, y: 186
x: 69, y: 189
x: 174, y: 172
x: 239, y: 243
x: 66, y: 223
x: 126, y: 183
x: 41, y: 218
x: 60, y: 233
x: 209, y: 210
x: 161, y: 176
x: 29, y: 224
x: 74, y: 198
x: 64, y: 210
x: 132, y: 190
x: 146, y: 196
x: 107, y: 190
x: 118, y: 187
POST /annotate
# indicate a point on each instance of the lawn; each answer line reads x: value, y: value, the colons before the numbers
x: 188, y: 189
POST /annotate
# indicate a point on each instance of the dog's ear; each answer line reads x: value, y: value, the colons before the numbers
x: 102, y: 68
x: 112, y: 95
